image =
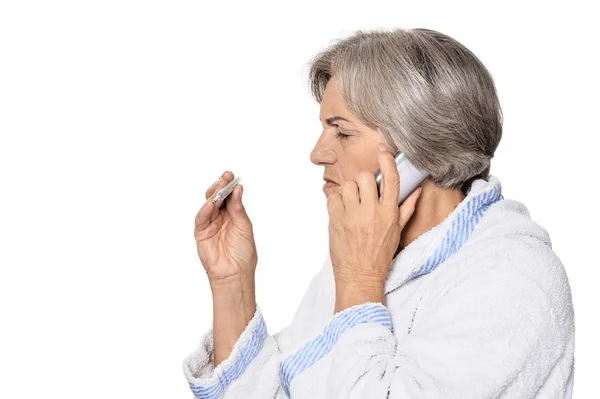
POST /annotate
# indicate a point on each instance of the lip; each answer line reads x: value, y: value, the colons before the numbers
x: 329, y: 184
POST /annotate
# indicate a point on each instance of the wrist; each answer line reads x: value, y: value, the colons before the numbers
x: 233, y: 285
x: 359, y: 282
x: 234, y: 296
x: 234, y: 306
x: 349, y: 294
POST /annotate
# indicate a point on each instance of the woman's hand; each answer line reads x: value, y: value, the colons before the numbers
x: 364, y: 230
x: 224, y: 237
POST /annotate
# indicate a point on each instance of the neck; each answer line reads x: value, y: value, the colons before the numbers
x: 433, y: 206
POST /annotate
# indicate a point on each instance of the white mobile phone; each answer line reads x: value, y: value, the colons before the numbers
x: 410, y: 177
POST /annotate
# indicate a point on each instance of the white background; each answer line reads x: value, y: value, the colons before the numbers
x: 115, y: 116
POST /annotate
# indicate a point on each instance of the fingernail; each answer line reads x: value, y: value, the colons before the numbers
x: 382, y: 148
x: 217, y: 182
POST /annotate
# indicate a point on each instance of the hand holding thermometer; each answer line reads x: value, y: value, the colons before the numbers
x: 225, y: 191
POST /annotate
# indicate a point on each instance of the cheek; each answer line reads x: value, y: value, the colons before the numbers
x: 351, y: 171
x: 362, y: 158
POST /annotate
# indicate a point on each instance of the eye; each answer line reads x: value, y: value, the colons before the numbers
x: 341, y: 135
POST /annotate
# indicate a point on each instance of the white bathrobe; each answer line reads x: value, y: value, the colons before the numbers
x: 477, y: 307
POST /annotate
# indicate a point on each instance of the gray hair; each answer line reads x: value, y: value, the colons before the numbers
x: 430, y: 96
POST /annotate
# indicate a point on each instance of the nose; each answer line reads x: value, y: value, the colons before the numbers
x: 322, y: 154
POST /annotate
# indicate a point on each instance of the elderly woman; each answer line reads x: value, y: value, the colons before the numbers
x: 456, y: 293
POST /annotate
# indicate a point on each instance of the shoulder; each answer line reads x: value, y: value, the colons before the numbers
x: 507, y: 267
x: 506, y: 241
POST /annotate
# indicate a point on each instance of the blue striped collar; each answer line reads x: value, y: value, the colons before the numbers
x: 433, y: 247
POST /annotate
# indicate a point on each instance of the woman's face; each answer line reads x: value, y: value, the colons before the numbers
x: 343, y: 157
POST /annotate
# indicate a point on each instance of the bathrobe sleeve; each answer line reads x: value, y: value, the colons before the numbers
x: 252, y: 369
x: 492, y: 334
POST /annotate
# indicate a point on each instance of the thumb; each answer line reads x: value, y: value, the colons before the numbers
x: 236, y: 208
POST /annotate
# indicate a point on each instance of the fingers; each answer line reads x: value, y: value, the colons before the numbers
x: 225, y: 178
x: 408, y: 207
x: 205, y: 215
x: 236, y: 209
x: 335, y: 205
x: 209, y: 211
x: 350, y: 196
x: 368, y: 188
x: 215, y: 186
x: 390, y: 191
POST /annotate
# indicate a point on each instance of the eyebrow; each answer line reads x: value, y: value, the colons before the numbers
x: 335, y: 118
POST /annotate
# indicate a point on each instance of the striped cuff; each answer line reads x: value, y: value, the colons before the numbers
x: 309, y: 354
x: 244, y: 351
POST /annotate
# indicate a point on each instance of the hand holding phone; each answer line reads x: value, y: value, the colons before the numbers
x: 410, y: 177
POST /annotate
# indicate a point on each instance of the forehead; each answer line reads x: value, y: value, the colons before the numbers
x: 332, y: 102
x: 331, y: 92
